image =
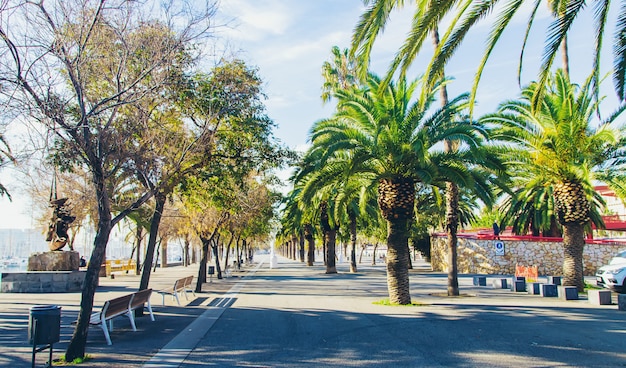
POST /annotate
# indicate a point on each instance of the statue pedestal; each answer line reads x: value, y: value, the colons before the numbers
x: 54, y: 261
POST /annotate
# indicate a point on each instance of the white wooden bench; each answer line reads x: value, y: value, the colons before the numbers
x: 121, y: 306
x: 180, y: 286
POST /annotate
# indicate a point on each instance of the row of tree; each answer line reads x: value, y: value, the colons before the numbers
x: 119, y: 91
x: 387, y: 144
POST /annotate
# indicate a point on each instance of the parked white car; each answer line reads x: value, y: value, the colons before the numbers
x: 612, y: 275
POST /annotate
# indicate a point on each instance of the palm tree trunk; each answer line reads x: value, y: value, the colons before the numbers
x: 452, y: 223
x: 573, y: 245
x: 308, y: 234
x: 397, y: 262
x: 452, y: 204
x: 565, y: 56
x: 331, y: 238
x: 352, y: 217
x: 301, y: 244
x: 374, y: 254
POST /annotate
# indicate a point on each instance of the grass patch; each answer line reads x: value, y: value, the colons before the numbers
x: 61, y: 362
x: 593, y: 287
x: 387, y: 303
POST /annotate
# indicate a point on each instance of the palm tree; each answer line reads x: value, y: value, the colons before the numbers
x: 387, y: 138
x: 465, y: 14
x: 338, y: 74
x: 372, y: 22
x: 558, y: 146
x: 317, y: 195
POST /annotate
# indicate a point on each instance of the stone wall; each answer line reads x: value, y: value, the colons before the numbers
x: 42, y: 282
x: 479, y: 255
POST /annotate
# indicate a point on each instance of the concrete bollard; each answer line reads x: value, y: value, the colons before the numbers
x: 534, y: 288
x: 500, y: 284
x: 519, y: 286
x: 621, y: 302
x: 568, y: 293
x: 548, y: 290
x: 556, y: 280
x: 599, y: 297
x: 480, y: 281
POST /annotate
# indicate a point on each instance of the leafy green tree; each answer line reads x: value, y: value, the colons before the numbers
x: 558, y: 147
x: 84, y: 63
x: 391, y: 140
x: 372, y: 22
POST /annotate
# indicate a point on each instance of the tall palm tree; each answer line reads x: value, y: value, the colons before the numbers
x: 372, y: 22
x: 387, y: 137
x: 338, y: 74
x: 559, y: 146
x: 465, y: 14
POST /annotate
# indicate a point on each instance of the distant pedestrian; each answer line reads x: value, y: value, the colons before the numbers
x: 496, y: 231
x: 83, y: 261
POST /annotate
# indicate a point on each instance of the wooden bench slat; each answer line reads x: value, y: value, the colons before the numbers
x: 123, y: 305
x: 181, y: 285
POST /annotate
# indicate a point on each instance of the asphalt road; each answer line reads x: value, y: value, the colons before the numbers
x: 297, y: 316
x: 294, y: 316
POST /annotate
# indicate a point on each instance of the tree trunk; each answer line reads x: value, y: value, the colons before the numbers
x: 186, y: 252
x: 374, y: 254
x: 163, y: 253
x: 452, y: 223
x: 152, y: 240
x: 202, y: 268
x: 230, y: 243
x: 301, y: 243
x: 352, y: 217
x: 331, y: 237
x: 76, y: 347
x: 139, y: 236
x: 397, y: 263
x: 194, y: 255
x: 573, y: 245
x: 216, y: 254
x: 361, y: 253
x: 308, y: 234
x: 452, y: 202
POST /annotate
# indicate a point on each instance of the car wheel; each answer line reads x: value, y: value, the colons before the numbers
x: 620, y: 289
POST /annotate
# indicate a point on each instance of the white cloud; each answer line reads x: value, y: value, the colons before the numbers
x: 258, y: 19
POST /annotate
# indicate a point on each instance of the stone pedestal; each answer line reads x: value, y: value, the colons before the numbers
x: 54, y: 261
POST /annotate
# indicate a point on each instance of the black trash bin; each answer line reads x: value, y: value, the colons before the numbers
x: 211, y: 270
x: 44, y: 324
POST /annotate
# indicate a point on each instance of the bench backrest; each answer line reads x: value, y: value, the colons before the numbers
x: 116, y: 306
x: 188, y: 280
x: 140, y: 298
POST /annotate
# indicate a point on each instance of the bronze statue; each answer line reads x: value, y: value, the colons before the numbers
x: 61, y: 220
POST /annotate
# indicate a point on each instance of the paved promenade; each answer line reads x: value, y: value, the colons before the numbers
x: 297, y: 316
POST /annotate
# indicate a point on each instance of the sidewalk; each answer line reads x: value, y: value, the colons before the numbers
x: 129, y: 349
x: 295, y: 315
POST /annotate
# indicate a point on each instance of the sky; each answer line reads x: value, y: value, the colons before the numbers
x: 289, y: 40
